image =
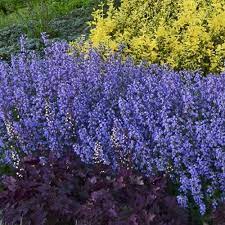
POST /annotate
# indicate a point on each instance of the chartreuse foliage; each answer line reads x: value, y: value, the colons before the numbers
x: 183, y: 34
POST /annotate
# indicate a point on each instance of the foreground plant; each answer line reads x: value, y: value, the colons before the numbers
x: 219, y: 215
x: 63, y: 190
x: 165, y: 121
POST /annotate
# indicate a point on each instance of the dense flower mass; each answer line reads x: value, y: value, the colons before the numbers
x: 151, y: 117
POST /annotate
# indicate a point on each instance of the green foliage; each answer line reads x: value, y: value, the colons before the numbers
x: 35, y: 15
x: 9, y: 6
x: 67, y: 27
x: 9, y: 41
x: 41, y: 12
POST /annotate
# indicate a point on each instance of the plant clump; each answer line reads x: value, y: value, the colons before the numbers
x: 158, y: 119
x: 182, y: 34
x: 57, y: 190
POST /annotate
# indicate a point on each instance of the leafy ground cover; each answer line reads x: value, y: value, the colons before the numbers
x: 64, y: 190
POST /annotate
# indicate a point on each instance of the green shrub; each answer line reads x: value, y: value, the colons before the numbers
x: 67, y: 27
x: 36, y: 15
x: 183, y: 34
x: 9, y: 6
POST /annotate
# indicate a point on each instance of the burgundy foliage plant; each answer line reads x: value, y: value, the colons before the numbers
x: 53, y: 190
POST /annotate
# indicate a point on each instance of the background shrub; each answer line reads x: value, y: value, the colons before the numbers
x: 165, y: 121
x: 182, y: 34
x: 36, y: 12
x: 9, y: 6
x: 68, y: 24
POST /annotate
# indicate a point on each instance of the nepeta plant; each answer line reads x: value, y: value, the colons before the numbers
x: 152, y: 117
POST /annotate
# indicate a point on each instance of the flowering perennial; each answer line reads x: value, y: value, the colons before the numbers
x: 153, y: 118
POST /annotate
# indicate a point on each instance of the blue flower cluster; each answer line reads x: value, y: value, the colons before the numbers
x: 158, y: 119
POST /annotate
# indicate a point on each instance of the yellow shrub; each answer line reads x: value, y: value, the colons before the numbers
x: 187, y: 34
